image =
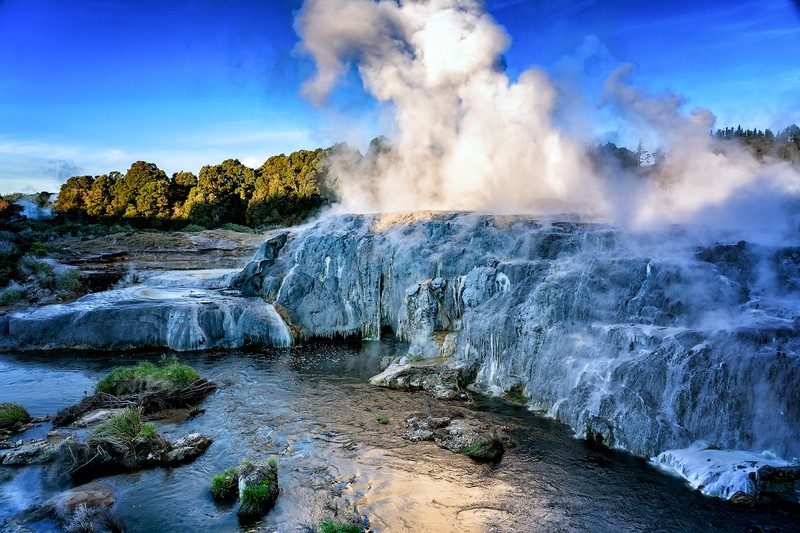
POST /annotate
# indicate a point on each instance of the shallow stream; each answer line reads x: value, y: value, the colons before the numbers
x: 311, y: 408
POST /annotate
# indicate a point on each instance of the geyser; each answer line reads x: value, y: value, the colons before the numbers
x: 466, y: 136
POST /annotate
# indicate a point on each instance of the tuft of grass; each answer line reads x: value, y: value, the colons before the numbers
x: 476, y: 448
x: 382, y: 418
x: 13, y: 414
x: 122, y: 432
x: 329, y: 526
x: 146, y: 376
x: 225, y: 486
x: 256, y: 496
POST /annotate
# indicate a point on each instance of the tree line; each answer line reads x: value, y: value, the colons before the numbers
x: 284, y: 190
x: 784, y: 145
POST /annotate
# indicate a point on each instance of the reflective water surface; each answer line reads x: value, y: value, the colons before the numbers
x: 310, y: 407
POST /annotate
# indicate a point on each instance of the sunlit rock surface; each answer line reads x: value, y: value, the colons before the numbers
x: 187, y: 310
x: 646, y: 342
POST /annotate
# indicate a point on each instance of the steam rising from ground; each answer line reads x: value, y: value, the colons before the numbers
x: 468, y: 137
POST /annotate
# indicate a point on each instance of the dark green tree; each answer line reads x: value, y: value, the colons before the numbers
x: 74, y: 196
x: 287, y: 188
x: 220, y: 194
x: 145, y: 180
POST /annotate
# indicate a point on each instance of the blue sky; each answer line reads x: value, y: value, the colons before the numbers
x: 90, y: 86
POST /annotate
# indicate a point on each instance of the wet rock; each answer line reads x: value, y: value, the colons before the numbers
x: 441, y: 381
x: 743, y: 499
x: 87, y: 508
x: 777, y: 483
x: 458, y: 432
x: 30, y: 453
x: 95, y: 417
x: 258, y: 490
x: 187, y: 448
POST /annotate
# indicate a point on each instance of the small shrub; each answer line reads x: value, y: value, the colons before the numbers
x: 29, y: 266
x: 148, y: 377
x: 225, y: 486
x: 415, y: 358
x: 10, y: 297
x: 193, y: 228
x: 329, y: 526
x: 68, y: 281
x: 13, y: 415
x: 382, y: 418
x: 38, y: 249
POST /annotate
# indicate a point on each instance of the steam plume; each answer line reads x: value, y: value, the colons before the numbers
x: 468, y: 137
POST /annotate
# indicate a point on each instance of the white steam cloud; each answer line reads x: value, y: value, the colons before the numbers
x: 468, y: 137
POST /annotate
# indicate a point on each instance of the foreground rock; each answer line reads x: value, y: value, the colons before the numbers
x: 458, y: 432
x: 258, y: 490
x: 254, y: 485
x: 89, y: 461
x: 87, y: 508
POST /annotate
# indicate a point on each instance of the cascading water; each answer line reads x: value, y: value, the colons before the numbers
x: 646, y: 346
x: 632, y: 340
x: 183, y: 310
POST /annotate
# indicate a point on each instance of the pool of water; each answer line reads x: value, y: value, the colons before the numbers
x: 311, y: 408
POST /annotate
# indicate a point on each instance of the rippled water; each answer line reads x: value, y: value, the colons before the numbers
x: 310, y: 407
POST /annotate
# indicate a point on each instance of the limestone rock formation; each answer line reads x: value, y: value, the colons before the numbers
x: 650, y: 342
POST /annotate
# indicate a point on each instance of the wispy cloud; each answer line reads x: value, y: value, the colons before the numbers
x: 32, y: 165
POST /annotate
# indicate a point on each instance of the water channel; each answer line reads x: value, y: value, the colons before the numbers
x: 311, y: 408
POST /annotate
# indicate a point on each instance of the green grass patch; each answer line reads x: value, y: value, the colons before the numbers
x: 194, y: 228
x: 257, y: 496
x: 382, y: 418
x: 329, y: 526
x: 13, y: 414
x: 225, y: 486
x: 121, y: 432
x: 230, y: 226
x: 146, y: 376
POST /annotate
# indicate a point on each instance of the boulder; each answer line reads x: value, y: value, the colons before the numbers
x: 187, y: 448
x: 458, y: 432
x: 441, y: 381
x: 88, y: 507
x: 777, y: 483
x: 258, y: 489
